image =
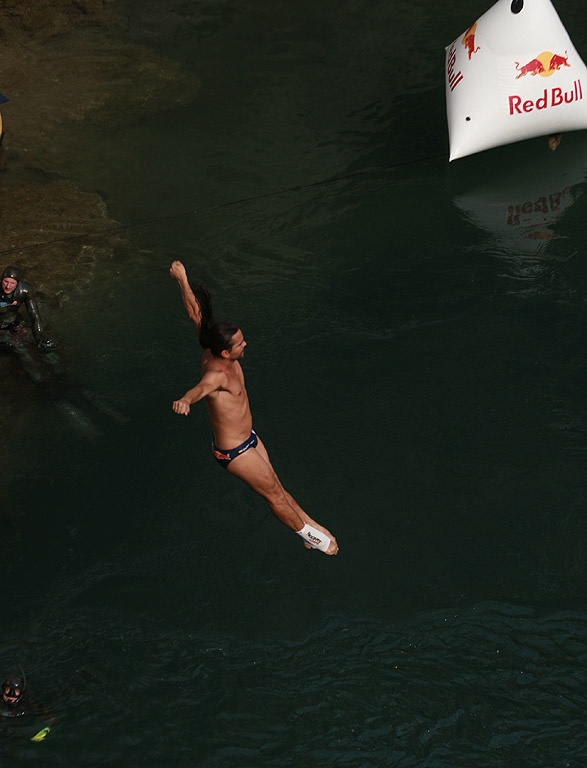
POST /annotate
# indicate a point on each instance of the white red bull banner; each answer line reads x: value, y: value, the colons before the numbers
x: 513, y: 75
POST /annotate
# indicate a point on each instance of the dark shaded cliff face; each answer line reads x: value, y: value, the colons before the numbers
x: 63, y: 66
x: 68, y: 65
x: 55, y: 16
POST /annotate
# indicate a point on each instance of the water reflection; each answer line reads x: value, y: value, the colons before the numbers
x: 519, y: 195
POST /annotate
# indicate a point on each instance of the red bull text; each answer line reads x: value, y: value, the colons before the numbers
x: 549, y: 206
x: 454, y: 78
x: 552, y: 97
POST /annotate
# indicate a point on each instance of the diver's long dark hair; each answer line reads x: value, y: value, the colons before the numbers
x: 212, y: 335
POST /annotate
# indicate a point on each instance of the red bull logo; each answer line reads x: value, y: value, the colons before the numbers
x: 549, y: 207
x: 469, y: 40
x: 550, y: 98
x: 545, y: 65
x: 454, y: 78
x: 219, y: 455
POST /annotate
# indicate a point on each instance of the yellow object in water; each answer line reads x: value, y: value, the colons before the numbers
x: 41, y: 734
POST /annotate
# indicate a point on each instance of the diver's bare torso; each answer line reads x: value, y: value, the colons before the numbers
x: 228, y: 407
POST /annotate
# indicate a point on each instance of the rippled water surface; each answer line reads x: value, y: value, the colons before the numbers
x: 416, y: 367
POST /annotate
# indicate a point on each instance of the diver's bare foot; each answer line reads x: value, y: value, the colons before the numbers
x: 332, y: 547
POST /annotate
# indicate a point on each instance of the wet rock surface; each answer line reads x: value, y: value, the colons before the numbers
x: 66, y: 64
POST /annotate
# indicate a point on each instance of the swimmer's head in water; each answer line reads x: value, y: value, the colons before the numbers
x: 13, y: 688
x: 10, y: 279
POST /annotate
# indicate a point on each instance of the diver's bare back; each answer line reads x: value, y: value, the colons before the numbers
x: 228, y: 407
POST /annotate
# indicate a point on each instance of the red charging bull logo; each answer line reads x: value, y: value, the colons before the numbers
x: 545, y: 65
x: 453, y: 75
x: 469, y: 40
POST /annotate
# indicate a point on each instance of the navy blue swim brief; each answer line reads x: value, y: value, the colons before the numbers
x: 225, y: 457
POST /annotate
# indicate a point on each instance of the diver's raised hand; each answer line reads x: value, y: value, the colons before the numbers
x: 177, y: 271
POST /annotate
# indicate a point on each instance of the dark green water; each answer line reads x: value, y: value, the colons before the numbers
x: 416, y: 368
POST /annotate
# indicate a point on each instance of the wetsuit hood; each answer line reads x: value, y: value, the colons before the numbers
x: 12, y: 684
x: 13, y: 272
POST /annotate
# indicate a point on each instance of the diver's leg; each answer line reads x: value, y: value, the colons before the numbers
x: 293, y: 503
x: 259, y: 475
x: 255, y: 469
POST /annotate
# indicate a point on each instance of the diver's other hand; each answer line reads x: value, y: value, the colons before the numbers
x: 177, y: 271
x: 45, y: 345
x: 181, y: 406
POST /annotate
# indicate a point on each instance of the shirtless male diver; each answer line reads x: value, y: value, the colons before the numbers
x: 236, y: 446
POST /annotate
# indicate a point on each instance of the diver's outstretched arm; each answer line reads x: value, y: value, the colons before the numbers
x: 177, y: 271
x: 210, y: 382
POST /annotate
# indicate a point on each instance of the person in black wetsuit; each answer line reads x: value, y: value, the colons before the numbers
x: 14, y: 700
x: 16, y: 703
x: 15, y: 335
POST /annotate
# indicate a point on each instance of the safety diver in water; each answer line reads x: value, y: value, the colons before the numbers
x: 15, y: 335
x: 14, y: 701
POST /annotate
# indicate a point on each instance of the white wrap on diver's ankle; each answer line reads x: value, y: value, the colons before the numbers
x: 315, y: 538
